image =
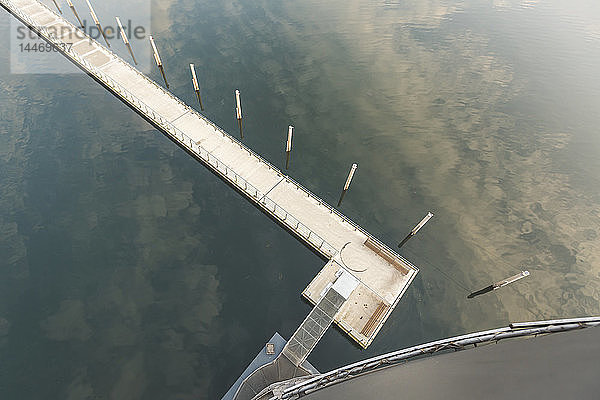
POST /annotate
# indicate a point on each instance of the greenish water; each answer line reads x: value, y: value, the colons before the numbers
x: 127, y: 271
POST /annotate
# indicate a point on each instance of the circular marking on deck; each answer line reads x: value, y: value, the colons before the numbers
x: 350, y: 255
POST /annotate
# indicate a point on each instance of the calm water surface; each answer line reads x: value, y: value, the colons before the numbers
x: 127, y: 271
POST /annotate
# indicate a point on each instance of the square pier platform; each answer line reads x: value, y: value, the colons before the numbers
x: 383, y: 279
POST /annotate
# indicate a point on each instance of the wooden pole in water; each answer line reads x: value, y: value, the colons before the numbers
x: 196, y: 86
x: 500, y: 284
x: 56, y: 4
x: 125, y: 40
x: 288, y: 146
x: 416, y: 228
x: 158, y: 60
x: 347, y: 184
x: 238, y: 111
x: 72, y: 7
x: 97, y: 22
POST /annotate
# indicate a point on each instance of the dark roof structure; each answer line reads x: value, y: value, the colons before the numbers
x: 555, y: 366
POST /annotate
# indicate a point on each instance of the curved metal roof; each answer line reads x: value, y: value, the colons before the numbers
x: 557, y: 366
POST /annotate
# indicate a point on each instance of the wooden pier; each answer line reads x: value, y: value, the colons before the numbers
x: 382, y: 275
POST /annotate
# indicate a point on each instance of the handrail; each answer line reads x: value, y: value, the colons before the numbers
x: 168, y: 93
x: 352, y: 223
x: 320, y: 244
x: 452, y: 343
x: 209, y: 158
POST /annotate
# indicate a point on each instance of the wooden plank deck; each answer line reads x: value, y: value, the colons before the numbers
x: 383, y: 274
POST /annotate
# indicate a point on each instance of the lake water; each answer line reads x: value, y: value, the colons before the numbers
x: 127, y: 271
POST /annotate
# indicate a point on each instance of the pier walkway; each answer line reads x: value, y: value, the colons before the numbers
x: 316, y: 323
x: 289, y: 365
x: 382, y: 275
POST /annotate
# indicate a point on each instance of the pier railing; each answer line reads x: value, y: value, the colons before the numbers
x: 206, y: 156
x: 450, y: 344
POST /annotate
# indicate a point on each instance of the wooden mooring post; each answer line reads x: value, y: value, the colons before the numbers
x: 125, y: 39
x: 196, y: 86
x: 97, y: 22
x: 347, y: 184
x: 288, y: 146
x: 238, y: 111
x: 500, y: 284
x: 159, y: 63
x: 57, y: 6
x: 72, y: 7
x: 416, y: 229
